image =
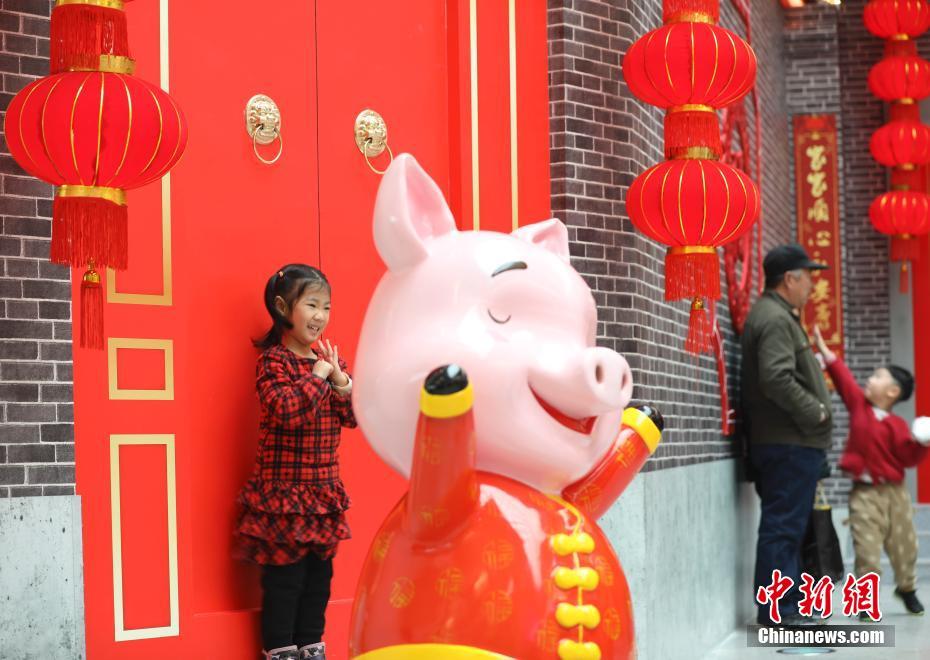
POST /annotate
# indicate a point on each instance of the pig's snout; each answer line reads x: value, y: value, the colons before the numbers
x: 595, y: 382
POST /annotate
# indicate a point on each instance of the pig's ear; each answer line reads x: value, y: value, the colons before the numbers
x: 549, y: 234
x: 410, y: 211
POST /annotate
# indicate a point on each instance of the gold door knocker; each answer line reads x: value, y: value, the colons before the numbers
x: 371, y: 137
x: 263, y: 124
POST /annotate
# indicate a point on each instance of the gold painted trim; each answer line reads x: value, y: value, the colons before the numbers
x: 164, y: 299
x: 444, y: 406
x: 117, y: 394
x: 109, y: 4
x: 644, y: 427
x: 473, y: 45
x: 111, y: 64
x: 115, y: 195
x: 431, y: 652
x: 173, y: 629
x: 514, y: 181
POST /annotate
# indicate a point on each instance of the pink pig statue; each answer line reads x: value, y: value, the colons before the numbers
x: 515, y: 445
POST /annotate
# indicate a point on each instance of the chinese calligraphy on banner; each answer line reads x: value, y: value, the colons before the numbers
x: 817, y: 189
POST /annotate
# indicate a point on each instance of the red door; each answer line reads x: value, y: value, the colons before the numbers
x: 166, y: 418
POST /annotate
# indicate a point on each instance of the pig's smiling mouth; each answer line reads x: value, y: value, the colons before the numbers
x: 584, y: 426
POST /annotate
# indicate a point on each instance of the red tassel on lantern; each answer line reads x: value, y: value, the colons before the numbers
x: 89, y: 228
x: 700, y: 328
x: 689, y: 128
x: 681, y: 11
x: 91, y: 309
x: 904, y: 248
x: 692, y: 272
x: 83, y: 31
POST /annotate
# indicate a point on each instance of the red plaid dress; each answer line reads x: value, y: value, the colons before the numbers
x: 294, y: 503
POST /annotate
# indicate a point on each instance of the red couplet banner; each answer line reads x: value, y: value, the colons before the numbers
x: 817, y: 189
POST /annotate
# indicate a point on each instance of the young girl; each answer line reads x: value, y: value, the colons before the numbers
x: 293, y: 506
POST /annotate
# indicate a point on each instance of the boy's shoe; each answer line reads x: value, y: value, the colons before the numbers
x: 283, y: 653
x: 910, y: 601
x: 865, y: 616
x: 313, y: 651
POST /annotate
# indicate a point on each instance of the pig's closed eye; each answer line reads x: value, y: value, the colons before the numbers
x: 497, y: 320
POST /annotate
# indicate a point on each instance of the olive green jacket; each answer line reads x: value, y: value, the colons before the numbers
x: 784, y: 394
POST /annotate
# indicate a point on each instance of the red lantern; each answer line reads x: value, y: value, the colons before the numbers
x: 903, y: 215
x: 95, y: 135
x: 690, y: 69
x: 89, y: 35
x: 895, y: 78
x: 902, y: 143
x: 897, y: 19
x: 693, y: 206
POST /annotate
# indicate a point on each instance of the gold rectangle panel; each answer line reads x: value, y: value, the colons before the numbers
x: 163, y: 299
x: 164, y: 345
x: 173, y: 629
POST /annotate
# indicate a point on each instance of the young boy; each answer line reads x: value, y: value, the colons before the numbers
x: 880, y: 446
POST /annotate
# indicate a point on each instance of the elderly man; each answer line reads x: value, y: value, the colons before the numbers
x: 786, y: 408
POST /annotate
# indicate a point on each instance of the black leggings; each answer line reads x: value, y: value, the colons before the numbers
x: 294, y: 602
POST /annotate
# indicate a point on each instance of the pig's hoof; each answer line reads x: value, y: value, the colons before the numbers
x: 446, y: 393
x: 653, y: 414
x: 448, y: 379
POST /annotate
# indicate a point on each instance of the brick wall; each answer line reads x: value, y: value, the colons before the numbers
x: 602, y: 138
x: 36, y: 394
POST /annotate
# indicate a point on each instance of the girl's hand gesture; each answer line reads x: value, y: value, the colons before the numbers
x: 828, y: 355
x: 330, y: 354
x: 323, y: 369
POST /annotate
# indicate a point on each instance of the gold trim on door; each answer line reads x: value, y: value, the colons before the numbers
x: 164, y: 345
x: 163, y: 299
x: 173, y: 628
x: 473, y: 42
x: 512, y: 42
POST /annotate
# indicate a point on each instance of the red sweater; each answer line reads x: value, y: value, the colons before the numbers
x: 879, y: 448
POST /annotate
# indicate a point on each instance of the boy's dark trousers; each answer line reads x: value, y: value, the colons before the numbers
x: 786, y: 480
x: 294, y: 602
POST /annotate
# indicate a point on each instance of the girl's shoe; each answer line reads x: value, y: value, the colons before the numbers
x: 283, y: 653
x: 313, y: 651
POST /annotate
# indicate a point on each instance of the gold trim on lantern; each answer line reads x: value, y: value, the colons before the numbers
x: 91, y: 276
x: 115, y: 195
x: 111, y: 64
x: 697, y: 304
x: 905, y: 101
x: 907, y: 167
x: 690, y: 107
x: 691, y: 17
x: 696, y: 153
x: 904, y: 237
x: 900, y: 186
x: 107, y: 4
x: 693, y: 249
x: 899, y: 37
